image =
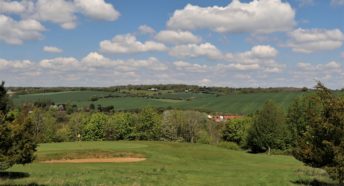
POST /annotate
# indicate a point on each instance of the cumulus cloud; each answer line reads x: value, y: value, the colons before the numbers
x: 144, y: 29
x: 260, y: 57
x: 52, y: 49
x: 258, y: 16
x: 16, y: 32
x: 58, y: 11
x: 331, y: 73
x: 60, y: 64
x: 151, y: 63
x: 7, y: 6
x: 189, y: 67
x: 329, y: 67
x: 96, y: 60
x: 196, y: 50
x: 97, y: 9
x: 313, y: 40
x: 129, y: 44
x: 13, y: 65
x: 177, y: 37
x: 62, y: 12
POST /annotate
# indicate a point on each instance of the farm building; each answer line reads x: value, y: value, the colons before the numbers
x: 223, y: 118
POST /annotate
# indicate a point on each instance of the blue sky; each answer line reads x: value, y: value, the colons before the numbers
x: 266, y: 43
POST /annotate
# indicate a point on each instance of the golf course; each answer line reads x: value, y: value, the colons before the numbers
x: 160, y: 163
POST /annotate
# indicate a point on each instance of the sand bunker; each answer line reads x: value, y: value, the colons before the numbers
x: 98, y: 160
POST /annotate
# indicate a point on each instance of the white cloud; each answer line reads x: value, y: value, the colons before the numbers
x: 313, y: 40
x: 337, y: 2
x: 128, y: 44
x: 96, y: 60
x: 52, y: 49
x: 189, y: 67
x: 205, y: 82
x: 239, y: 66
x: 151, y: 63
x: 57, y: 11
x: 329, y: 67
x: 258, y: 16
x: 260, y: 57
x: 60, y: 64
x: 260, y: 51
x: 16, y: 32
x: 331, y: 73
x: 97, y: 9
x: 12, y: 65
x: 62, y: 12
x: 144, y: 29
x: 196, y: 50
x: 7, y: 6
x: 177, y: 37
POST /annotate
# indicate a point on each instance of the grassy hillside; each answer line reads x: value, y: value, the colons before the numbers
x: 166, y: 164
x: 234, y: 103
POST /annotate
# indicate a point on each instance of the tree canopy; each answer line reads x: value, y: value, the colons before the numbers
x: 320, y: 135
x: 17, y: 145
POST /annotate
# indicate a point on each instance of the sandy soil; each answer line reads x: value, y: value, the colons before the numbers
x: 98, y: 160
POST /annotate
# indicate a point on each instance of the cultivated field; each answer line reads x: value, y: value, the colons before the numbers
x: 234, y: 103
x: 166, y: 164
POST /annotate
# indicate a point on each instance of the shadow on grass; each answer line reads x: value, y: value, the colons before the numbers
x: 30, y: 184
x: 13, y: 175
x: 314, y: 182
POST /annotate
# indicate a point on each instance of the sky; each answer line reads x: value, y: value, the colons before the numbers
x: 233, y: 43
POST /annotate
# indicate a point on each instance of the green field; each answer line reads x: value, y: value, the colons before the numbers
x: 234, y: 103
x: 167, y: 164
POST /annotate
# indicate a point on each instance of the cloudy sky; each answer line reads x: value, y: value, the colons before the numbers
x: 245, y: 43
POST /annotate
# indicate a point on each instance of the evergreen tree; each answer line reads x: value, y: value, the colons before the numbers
x: 17, y: 145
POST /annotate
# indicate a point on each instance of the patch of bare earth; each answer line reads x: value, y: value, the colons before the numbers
x: 98, y: 160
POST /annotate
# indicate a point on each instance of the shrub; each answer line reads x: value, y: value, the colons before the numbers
x: 236, y: 130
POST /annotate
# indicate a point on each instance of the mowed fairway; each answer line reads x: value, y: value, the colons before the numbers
x: 234, y: 103
x: 166, y: 164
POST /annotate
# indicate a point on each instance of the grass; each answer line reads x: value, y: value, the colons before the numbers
x: 235, y: 103
x: 167, y: 164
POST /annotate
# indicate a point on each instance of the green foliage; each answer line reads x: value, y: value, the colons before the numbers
x: 189, y: 126
x: 76, y: 124
x: 269, y: 129
x: 120, y: 126
x: 236, y: 130
x: 94, y: 128
x: 148, y: 126
x: 17, y: 145
x: 23, y: 143
x: 3, y: 99
x: 320, y: 139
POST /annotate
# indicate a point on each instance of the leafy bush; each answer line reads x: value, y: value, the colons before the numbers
x: 94, y: 128
x: 236, y: 130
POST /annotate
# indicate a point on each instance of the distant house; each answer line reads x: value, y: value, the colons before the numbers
x: 153, y: 89
x: 222, y: 118
x: 10, y: 93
